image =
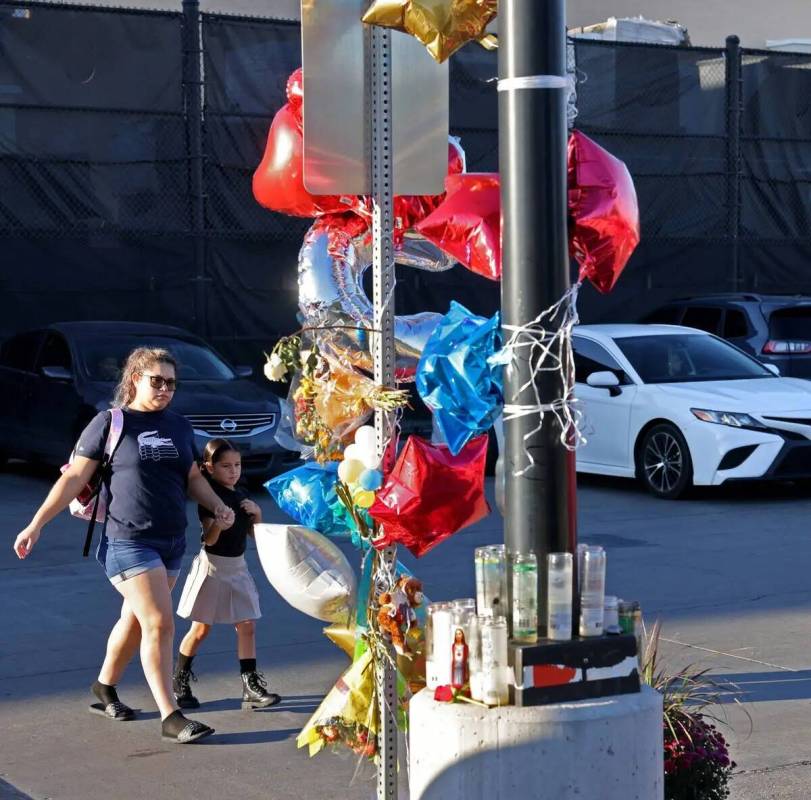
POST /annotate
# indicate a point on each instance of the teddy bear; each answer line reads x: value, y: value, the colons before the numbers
x: 396, y: 611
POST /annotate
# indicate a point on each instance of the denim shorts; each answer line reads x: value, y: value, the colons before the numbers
x: 126, y: 558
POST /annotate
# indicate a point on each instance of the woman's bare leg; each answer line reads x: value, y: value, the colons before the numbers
x: 121, y: 646
x: 148, y: 596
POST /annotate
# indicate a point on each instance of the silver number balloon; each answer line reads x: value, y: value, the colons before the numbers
x: 330, y: 277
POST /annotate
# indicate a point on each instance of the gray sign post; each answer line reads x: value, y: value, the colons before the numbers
x: 375, y: 122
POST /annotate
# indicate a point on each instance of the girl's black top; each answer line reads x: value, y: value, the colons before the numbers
x: 232, y: 540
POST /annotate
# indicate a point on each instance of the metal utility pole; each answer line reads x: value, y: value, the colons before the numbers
x: 533, y: 90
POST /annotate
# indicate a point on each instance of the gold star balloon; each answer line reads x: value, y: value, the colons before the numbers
x: 443, y: 26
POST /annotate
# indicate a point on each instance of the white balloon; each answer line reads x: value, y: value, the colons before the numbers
x: 370, y: 459
x: 365, y: 437
x: 352, y: 453
x: 307, y: 570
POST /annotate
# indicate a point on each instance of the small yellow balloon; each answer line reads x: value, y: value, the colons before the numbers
x: 364, y: 498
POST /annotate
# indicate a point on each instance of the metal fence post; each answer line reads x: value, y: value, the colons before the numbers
x: 193, y: 118
x: 734, y: 101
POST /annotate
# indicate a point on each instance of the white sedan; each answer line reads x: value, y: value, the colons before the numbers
x: 676, y: 407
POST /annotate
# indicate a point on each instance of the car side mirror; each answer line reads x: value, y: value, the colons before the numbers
x: 243, y: 372
x: 774, y: 369
x: 57, y: 373
x: 605, y: 380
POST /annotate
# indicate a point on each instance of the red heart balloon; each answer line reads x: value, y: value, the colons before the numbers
x: 295, y: 94
x: 604, y: 224
x: 278, y: 183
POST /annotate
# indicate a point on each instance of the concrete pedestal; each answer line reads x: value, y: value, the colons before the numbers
x: 606, y: 749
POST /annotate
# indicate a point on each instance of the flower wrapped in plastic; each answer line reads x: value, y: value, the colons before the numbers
x: 430, y: 494
x: 456, y: 377
x: 348, y: 714
x: 307, y: 494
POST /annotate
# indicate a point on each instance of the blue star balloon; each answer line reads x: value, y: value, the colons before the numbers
x: 307, y: 494
x: 454, y: 378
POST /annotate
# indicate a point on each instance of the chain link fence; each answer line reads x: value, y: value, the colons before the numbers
x: 101, y: 215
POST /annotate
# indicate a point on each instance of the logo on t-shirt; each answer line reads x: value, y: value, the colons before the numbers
x: 154, y: 447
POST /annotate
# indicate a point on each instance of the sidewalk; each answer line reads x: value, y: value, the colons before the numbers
x: 727, y: 573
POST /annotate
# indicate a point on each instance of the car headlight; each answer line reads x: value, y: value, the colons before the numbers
x: 735, y: 419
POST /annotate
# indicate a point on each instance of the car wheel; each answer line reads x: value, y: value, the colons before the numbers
x: 663, y: 462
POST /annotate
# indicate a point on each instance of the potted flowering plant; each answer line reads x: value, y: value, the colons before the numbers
x: 697, y: 761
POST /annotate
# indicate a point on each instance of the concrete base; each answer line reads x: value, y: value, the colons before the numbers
x: 606, y: 749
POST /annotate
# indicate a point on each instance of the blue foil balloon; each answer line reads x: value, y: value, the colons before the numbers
x: 307, y: 494
x: 454, y: 378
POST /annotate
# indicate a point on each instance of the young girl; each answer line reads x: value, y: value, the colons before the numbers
x: 219, y: 587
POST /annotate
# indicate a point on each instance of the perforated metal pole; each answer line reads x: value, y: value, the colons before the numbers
x: 383, y: 350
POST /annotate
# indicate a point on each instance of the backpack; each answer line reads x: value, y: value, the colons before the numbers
x: 89, y: 503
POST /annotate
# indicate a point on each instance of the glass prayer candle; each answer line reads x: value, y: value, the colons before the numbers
x: 592, y: 593
x: 524, y: 568
x: 438, y: 668
x: 560, y: 594
x: 491, y: 580
x: 475, y: 657
x: 611, y: 621
x: 495, y: 689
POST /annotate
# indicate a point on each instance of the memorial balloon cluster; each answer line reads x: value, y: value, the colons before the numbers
x: 426, y: 490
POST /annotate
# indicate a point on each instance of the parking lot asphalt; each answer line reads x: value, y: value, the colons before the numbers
x: 726, y: 572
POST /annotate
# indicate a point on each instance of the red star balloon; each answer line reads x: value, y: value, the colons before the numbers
x: 603, y: 210
x: 430, y: 494
x: 467, y: 224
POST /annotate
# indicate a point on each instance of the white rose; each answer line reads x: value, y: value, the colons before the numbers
x: 275, y: 369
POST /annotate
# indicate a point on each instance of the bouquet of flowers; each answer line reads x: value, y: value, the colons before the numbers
x: 348, y: 714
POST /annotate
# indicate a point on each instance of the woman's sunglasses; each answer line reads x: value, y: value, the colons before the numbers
x: 158, y: 382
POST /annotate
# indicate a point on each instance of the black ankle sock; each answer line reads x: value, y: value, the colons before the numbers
x: 247, y: 665
x: 184, y: 662
x: 106, y: 694
x: 174, y: 723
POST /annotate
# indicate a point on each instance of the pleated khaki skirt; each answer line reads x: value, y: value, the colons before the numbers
x: 219, y: 589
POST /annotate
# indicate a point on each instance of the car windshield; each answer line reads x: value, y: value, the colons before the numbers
x: 104, y: 357
x: 685, y: 358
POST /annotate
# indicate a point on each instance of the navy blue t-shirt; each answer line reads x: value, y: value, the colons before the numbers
x: 150, y: 470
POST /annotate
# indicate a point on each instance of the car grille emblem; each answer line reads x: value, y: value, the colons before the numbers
x: 228, y: 425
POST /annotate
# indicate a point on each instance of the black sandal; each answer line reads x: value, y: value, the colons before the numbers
x: 116, y: 711
x: 192, y: 731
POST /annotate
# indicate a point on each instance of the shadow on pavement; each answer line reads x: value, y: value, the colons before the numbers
x: 8, y: 792
x: 736, y: 491
x: 304, y: 704
x: 759, y: 687
x: 250, y: 737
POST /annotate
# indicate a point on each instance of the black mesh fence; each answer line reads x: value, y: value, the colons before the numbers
x: 100, y: 216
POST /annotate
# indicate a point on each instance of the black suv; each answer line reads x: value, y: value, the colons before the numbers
x: 776, y: 329
x: 54, y: 380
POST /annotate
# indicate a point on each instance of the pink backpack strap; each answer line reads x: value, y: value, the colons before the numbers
x: 114, y: 434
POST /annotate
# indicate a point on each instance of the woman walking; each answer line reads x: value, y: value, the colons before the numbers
x: 151, y: 473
